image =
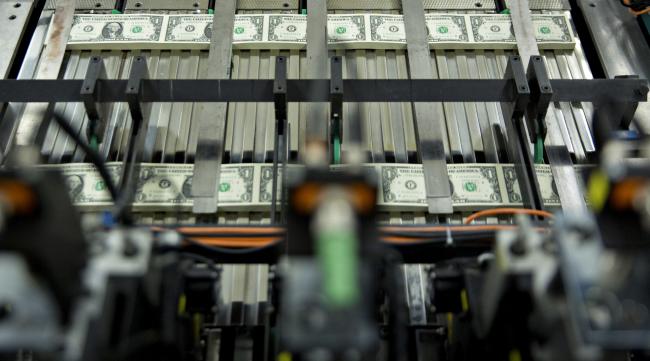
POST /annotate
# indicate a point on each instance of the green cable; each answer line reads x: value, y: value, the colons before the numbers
x: 505, y: 11
x: 338, y: 257
x: 211, y: 11
x: 304, y: 11
x: 115, y: 11
x: 337, y: 150
x: 93, y: 143
x: 539, y: 151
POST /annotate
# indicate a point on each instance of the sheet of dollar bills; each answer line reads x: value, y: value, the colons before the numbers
x: 289, y: 31
x: 248, y: 187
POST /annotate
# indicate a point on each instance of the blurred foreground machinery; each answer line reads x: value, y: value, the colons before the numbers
x: 324, y: 180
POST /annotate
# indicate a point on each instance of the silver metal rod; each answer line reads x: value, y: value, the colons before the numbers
x: 51, y: 61
x: 428, y: 118
x: 212, y: 121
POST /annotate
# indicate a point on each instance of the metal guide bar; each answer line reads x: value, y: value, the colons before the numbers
x: 13, y: 111
x: 317, y: 90
x: 317, y: 66
x: 397, y: 5
x: 83, y: 4
x: 138, y: 5
x: 167, y: 4
x: 623, y: 51
x: 428, y: 117
x: 14, y: 17
x: 544, y: 4
x: 518, y: 149
x: 212, y: 123
x: 559, y: 157
x: 522, y: 25
x: 49, y: 67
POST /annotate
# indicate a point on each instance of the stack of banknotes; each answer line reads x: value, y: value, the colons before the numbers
x: 248, y: 187
x: 289, y: 31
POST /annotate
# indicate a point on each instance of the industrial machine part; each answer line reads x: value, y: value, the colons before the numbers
x: 324, y: 180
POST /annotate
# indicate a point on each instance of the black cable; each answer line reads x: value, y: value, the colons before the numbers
x: 198, y: 258
x: 132, y: 167
x: 94, y: 158
x: 636, y: 5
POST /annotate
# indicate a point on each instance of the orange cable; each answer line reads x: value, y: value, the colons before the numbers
x: 500, y: 211
x: 634, y: 12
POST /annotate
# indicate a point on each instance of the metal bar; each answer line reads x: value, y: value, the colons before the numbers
x: 140, y: 111
x: 561, y: 165
x: 316, y: 123
x: 29, y: 63
x: 212, y: 122
x: 374, y: 113
x: 564, y: 114
x: 97, y: 113
x: 51, y: 60
x: 522, y: 24
x: 76, y: 114
x: 428, y: 118
x: 336, y: 99
x: 280, y: 102
x: 460, y: 115
x: 372, y: 90
x: 15, y: 16
x: 623, y: 51
x: 518, y: 150
x: 388, y: 140
x: 395, y: 113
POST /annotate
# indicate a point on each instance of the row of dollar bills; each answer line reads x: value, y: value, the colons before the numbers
x: 248, y: 187
x: 289, y: 31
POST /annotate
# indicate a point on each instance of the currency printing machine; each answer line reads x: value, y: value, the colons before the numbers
x: 324, y: 180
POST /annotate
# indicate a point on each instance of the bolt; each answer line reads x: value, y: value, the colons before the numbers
x: 6, y: 309
x: 130, y: 249
x: 518, y: 248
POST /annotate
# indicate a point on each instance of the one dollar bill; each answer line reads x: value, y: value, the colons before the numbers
x: 289, y: 31
x: 401, y: 187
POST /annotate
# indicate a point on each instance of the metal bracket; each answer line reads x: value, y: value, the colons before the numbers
x: 613, y: 115
x: 518, y: 145
x: 626, y: 110
x: 280, y: 94
x: 281, y: 134
x: 97, y: 112
x: 139, y: 112
x: 541, y: 93
x: 336, y: 103
x: 139, y: 72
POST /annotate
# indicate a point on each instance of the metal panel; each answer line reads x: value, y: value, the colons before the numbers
x: 267, y: 5
x: 49, y: 68
x: 213, y: 116
x: 14, y: 111
x: 14, y: 16
x: 546, y: 4
x: 317, y: 67
x: 166, y: 5
x: 427, y: 116
x: 522, y: 24
x: 620, y: 44
x: 84, y: 4
x: 396, y: 4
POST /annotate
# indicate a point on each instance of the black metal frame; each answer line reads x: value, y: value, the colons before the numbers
x: 519, y: 93
x: 318, y: 90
